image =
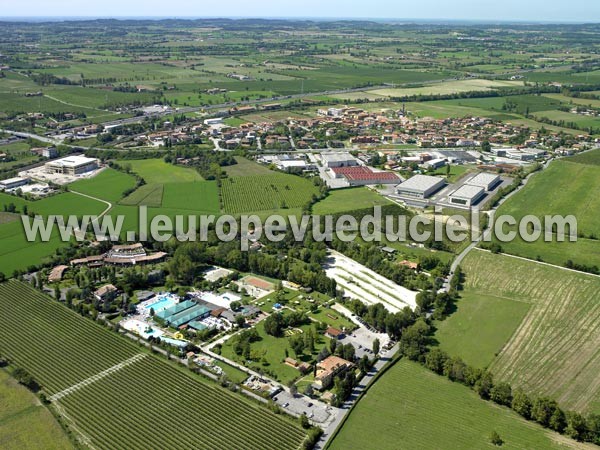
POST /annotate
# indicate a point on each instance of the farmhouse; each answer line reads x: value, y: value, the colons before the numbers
x: 467, y: 195
x: 328, y: 369
x: 13, y: 183
x: 106, y: 292
x: 338, y: 159
x: 56, y: 273
x: 420, y: 186
x: 334, y: 333
x: 72, y: 165
x: 487, y: 181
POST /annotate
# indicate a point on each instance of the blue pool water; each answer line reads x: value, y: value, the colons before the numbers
x: 163, y: 302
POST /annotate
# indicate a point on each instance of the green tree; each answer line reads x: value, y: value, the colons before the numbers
x: 376, y: 345
x: 501, y: 393
x: 495, y: 438
x: 521, y: 403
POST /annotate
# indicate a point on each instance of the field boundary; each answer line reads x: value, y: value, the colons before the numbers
x: 97, y: 377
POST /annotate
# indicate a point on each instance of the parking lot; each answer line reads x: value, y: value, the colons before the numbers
x: 318, y: 412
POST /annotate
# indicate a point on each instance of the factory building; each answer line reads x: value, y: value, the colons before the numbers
x: 467, y: 195
x: 420, y: 186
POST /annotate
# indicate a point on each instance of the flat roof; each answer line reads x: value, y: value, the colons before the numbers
x: 468, y: 192
x: 337, y: 156
x: 72, y: 161
x: 483, y: 179
x: 13, y: 180
x: 421, y: 182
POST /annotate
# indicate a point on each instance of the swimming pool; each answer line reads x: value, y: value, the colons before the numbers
x: 163, y: 302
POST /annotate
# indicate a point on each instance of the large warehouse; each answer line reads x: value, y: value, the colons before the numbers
x: 467, y: 195
x: 72, y: 165
x: 487, y: 181
x: 420, y: 186
x: 338, y: 159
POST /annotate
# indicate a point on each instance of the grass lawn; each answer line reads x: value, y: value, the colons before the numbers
x: 590, y: 158
x: 411, y: 407
x: 272, y: 350
x: 456, y: 171
x: 553, y: 349
x: 15, y: 251
x: 24, y: 423
x: 476, y: 334
x: 542, y: 197
x: 108, y: 185
x: 200, y: 196
x: 158, y: 171
x: 342, y: 200
x: 148, y: 194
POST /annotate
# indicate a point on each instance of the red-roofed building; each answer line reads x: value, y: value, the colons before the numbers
x: 361, y: 175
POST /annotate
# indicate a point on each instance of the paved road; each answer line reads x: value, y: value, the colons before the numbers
x: 345, y: 408
x: 487, y: 232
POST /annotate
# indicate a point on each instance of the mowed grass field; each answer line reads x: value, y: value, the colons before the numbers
x: 110, y: 185
x: 590, y: 158
x: 158, y: 171
x: 339, y: 201
x: 412, y: 408
x: 24, y: 423
x: 15, y: 251
x: 172, y: 187
x: 146, y: 403
x: 273, y: 192
x: 448, y: 87
x: 564, y: 188
x: 549, y: 346
x: 480, y: 326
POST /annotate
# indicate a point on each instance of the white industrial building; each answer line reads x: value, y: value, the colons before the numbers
x: 487, y: 181
x: 467, y: 195
x: 420, y: 186
x: 435, y: 163
x: 338, y: 159
x: 13, y: 183
x: 72, y: 165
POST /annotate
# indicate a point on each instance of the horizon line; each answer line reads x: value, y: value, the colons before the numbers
x: 17, y: 18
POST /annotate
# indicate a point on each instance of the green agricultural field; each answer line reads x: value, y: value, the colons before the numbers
x: 411, y: 407
x: 541, y: 321
x: 245, y: 167
x: 447, y: 87
x: 540, y: 197
x: 148, y: 195
x: 109, y: 185
x: 15, y: 251
x: 199, y: 196
x: 566, y: 118
x: 25, y: 424
x: 480, y: 326
x: 591, y: 158
x: 61, y: 349
x: 342, y: 200
x: 158, y: 171
x: 274, y: 192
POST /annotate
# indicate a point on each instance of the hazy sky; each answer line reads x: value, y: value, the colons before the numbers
x: 528, y: 10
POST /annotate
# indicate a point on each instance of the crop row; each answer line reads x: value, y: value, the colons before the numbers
x: 151, y: 404
x: 265, y: 192
x: 56, y: 345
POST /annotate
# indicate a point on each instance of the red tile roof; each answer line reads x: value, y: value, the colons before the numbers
x: 360, y: 173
